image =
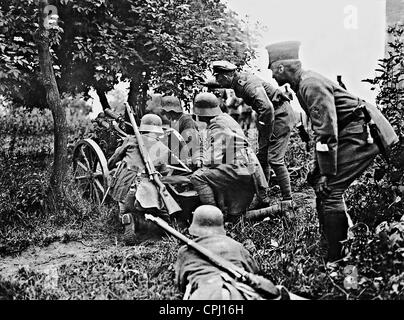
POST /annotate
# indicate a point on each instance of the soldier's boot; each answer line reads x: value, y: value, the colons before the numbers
x: 259, y: 201
x: 129, y: 235
x: 283, y: 180
x: 323, y: 246
x: 335, y: 231
x: 264, y: 213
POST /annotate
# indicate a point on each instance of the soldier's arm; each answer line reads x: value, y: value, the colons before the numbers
x: 179, y: 267
x: 217, y: 140
x: 119, y: 153
x: 249, y: 262
x: 319, y: 99
x: 191, y: 136
x: 262, y: 105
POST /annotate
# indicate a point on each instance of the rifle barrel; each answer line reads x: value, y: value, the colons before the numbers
x: 216, y: 260
x: 169, y: 202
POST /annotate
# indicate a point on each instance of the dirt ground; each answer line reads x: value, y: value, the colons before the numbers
x: 103, y: 268
x: 45, y: 259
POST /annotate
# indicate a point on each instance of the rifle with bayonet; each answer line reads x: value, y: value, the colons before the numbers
x: 261, y: 285
x: 154, y: 176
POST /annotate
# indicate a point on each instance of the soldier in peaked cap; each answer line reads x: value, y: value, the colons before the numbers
x: 344, y: 146
x: 275, y: 120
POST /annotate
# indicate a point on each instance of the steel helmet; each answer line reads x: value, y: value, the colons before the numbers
x: 171, y: 103
x: 207, y: 220
x: 151, y: 123
x: 207, y: 104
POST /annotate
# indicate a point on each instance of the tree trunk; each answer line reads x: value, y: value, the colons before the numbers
x: 54, y: 102
x: 103, y: 99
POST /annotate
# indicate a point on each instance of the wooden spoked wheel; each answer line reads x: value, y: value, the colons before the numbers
x: 90, y: 170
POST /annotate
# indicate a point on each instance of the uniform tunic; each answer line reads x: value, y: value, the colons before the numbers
x: 341, y: 154
x: 134, y: 166
x: 204, y: 279
x: 187, y: 128
x: 228, y: 165
x: 327, y: 103
x: 275, y: 123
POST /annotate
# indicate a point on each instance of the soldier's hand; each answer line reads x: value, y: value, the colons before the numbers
x: 313, y: 174
x: 322, y: 188
x: 198, y: 164
x: 280, y: 96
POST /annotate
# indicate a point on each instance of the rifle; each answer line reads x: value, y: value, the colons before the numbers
x: 169, y: 202
x: 261, y: 285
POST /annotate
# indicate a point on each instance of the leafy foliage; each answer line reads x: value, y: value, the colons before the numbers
x: 378, y: 198
x: 163, y: 44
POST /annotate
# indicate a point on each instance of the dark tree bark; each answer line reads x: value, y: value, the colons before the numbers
x: 54, y: 102
x: 103, y: 98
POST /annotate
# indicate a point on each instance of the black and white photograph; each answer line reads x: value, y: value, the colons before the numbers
x: 201, y: 154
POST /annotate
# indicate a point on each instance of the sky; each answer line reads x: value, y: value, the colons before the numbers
x: 339, y: 37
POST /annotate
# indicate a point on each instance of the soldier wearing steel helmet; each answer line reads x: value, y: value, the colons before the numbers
x: 132, y: 188
x: 197, y: 277
x: 229, y: 166
x: 173, y: 111
x: 275, y: 120
x: 185, y: 126
x: 344, y: 146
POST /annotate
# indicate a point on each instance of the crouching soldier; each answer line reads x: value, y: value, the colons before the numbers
x: 197, y: 277
x: 345, y: 144
x: 132, y: 188
x: 230, y: 169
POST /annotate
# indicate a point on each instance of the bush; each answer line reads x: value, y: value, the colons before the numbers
x: 26, y: 146
x: 376, y: 199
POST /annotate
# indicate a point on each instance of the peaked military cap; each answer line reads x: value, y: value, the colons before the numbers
x: 287, y: 50
x: 223, y: 65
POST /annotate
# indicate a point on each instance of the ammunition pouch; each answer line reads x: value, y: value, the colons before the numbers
x: 374, y: 134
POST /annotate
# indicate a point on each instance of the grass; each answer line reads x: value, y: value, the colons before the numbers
x: 287, y: 253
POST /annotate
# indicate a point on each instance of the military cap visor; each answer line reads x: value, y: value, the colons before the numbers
x: 287, y: 50
x: 223, y: 66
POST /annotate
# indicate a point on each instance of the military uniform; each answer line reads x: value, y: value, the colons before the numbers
x: 275, y: 122
x: 226, y: 166
x: 229, y: 167
x: 185, y: 126
x: 197, y: 277
x: 133, y: 172
x: 203, y: 281
x: 342, y: 153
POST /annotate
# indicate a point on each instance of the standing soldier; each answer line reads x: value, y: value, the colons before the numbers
x: 229, y: 166
x: 344, y: 146
x: 275, y: 120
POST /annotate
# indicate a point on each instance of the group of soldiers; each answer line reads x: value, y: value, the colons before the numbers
x: 230, y: 178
